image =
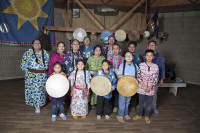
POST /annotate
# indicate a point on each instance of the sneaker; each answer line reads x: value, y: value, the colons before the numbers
x: 115, y: 109
x: 75, y: 117
x: 63, y: 116
x: 98, y: 117
x: 155, y: 111
x: 148, y: 121
x: 83, y: 117
x: 53, y: 118
x: 107, y: 117
x: 127, y: 117
x: 37, y: 111
x: 120, y: 119
x: 137, y: 117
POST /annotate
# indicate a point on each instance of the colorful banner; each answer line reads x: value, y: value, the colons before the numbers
x: 21, y: 21
x: 154, y: 25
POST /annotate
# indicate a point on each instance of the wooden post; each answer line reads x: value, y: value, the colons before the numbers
x: 125, y: 17
x: 90, y: 15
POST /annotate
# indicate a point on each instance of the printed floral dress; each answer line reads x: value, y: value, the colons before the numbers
x: 93, y: 64
x: 79, y: 104
x: 35, y: 93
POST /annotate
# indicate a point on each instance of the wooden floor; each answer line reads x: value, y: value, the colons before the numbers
x: 180, y: 114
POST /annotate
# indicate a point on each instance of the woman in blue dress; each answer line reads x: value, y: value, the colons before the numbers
x: 35, y: 63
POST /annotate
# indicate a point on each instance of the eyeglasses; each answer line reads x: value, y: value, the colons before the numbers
x: 128, y: 56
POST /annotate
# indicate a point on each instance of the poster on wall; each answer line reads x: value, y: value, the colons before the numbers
x: 21, y: 21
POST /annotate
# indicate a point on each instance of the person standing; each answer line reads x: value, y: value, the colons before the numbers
x: 115, y: 61
x: 94, y: 65
x: 57, y: 57
x: 137, y: 60
x: 160, y: 61
x: 80, y: 85
x: 148, y: 78
x: 107, y: 50
x: 35, y: 63
x: 128, y: 67
x: 71, y: 57
x: 87, y: 48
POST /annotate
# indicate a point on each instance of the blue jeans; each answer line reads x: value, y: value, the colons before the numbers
x: 123, y: 105
x: 58, y: 101
x: 142, y: 100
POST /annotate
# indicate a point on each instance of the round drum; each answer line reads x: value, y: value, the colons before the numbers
x: 146, y: 34
x: 57, y: 85
x: 127, y: 86
x: 101, y: 85
x: 79, y: 34
x: 134, y: 35
x: 120, y: 35
x: 104, y: 36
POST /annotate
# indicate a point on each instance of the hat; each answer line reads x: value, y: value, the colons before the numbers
x: 111, y: 36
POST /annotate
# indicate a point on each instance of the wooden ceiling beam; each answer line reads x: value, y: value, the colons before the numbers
x: 70, y: 29
x: 90, y: 15
x: 125, y: 17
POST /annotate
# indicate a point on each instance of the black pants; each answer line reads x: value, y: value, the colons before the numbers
x: 133, y: 100
x: 103, y: 106
x: 115, y: 98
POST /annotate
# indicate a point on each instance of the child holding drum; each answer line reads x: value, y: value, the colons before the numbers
x: 128, y: 67
x: 94, y: 65
x: 103, y: 102
x: 57, y: 69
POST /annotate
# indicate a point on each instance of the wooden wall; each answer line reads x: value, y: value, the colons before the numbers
x: 182, y: 46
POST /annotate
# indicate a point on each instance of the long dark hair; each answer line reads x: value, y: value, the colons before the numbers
x: 42, y: 52
x: 124, y: 65
x: 58, y: 63
x: 107, y: 63
x: 59, y: 43
x: 88, y: 38
x: 77, y: 71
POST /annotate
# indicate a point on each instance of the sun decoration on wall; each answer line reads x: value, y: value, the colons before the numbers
x: 27, y: 10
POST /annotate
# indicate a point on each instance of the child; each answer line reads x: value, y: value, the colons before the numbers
x: 93, y: 65
x: 128, y: 67
x: 115, y: 61
x: 103, y: 102
x: 80, y: 84
x: 148, y: 78
x: 57, y: 68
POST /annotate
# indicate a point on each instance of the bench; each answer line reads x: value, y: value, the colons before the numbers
x: 173, y: 86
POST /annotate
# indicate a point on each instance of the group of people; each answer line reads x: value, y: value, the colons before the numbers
x: 81, y: 64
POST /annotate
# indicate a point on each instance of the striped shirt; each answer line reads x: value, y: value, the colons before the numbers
x: 149, y: 75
